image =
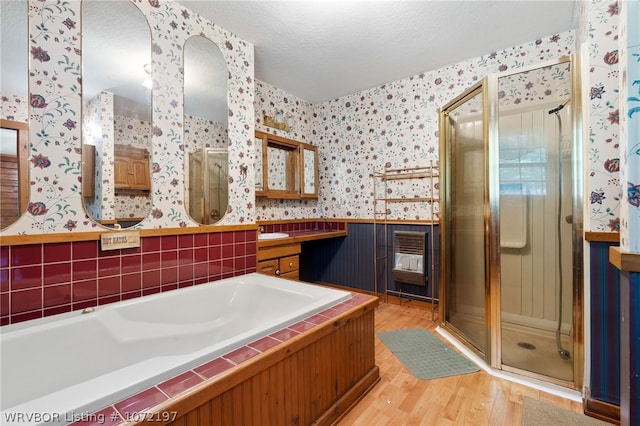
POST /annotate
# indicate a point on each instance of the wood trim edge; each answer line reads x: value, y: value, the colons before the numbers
x: 602, y: 237
x: 19, y: 240
x: 343, y: 405
x: 602, y: 410
x: 624, y: 260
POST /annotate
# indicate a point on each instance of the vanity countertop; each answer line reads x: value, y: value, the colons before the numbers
x: 301, y: 236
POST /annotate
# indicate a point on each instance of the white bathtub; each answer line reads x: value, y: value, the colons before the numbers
x: 65, y: 365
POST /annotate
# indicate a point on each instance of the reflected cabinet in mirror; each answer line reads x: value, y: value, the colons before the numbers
x: 206, y: 137
x: 14, y: 127
x: 285, y: 169
x: 116, y: 112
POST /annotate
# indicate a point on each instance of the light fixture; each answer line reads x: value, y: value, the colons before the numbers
x: 279, y: 121
x: 147, y: 83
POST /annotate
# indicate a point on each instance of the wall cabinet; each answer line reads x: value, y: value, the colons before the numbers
x: 281, y: 261
x: 285, y: 169
x: 131, y: 169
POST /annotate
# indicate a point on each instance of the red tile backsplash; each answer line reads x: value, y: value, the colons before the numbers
x: 4, y: 257
x: 26, y: 255
x: 84, y: 290
x: 150, y: 244
x: 46, y: 279
x: 57, y: 252
x: 79, y: 274
x: 108, y: 266
x: 24, y: 277
x: 84, y: 250
x: 168, y: 242
x: 56, y: 273
x: 84, y: 269
x: 55, y: 295
x: 26, y: 300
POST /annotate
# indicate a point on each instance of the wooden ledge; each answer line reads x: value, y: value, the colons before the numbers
x: 623, y: 260
x: 602, y: 237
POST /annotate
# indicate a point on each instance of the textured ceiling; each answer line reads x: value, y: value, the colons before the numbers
x: 321, y: 50
x: 316, y: 50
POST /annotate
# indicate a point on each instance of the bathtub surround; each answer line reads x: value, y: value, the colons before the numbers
x: 39, y: 280
x: 262, y: 376
x: 144, y: 342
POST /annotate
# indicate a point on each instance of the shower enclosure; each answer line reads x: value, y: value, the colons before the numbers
x: 511, y: 231
x: 207, y: 186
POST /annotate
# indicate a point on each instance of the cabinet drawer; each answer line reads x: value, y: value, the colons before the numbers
x: 268, y: 267
x: 293, y: 275
x: 288, y: 264
x: 272, y: 252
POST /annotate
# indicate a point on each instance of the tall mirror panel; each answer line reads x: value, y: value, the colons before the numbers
x: 14, y: 127
x: 206, y: 137
x: 116, y: 122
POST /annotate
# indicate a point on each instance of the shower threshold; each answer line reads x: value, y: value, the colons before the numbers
x: 538, y: 384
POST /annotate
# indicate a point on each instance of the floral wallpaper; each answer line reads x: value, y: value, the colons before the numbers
x: 268, y: 100
x: 630, y: 127
x: 603, y: 190
x: 392, y: 125
x: 396, y: 125
x: 202, y: 133
x: 14, y: 108
x: 55, y: 119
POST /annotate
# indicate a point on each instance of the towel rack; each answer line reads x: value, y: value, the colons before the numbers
x: 421, y: 186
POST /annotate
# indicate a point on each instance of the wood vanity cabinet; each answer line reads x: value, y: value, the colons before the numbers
x: 131, y: 169
x: 285, y: 169
x: 281, y: 261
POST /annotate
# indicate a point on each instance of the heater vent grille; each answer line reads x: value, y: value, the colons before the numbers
x: 411, y: 243
x: 409, y: 250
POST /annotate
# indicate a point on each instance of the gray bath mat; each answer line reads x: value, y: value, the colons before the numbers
x: 538, y: 413
x: 424, y: 355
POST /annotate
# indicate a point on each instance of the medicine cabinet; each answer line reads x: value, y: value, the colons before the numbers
x: 285, y: 169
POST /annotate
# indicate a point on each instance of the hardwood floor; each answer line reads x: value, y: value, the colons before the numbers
x: 470, y: 399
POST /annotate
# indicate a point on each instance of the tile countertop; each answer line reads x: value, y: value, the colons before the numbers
x: 300, y: 236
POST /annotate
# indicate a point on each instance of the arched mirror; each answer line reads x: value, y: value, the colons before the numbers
x: 116, y: 121
x: 206, y: 138
x: 14, y: 113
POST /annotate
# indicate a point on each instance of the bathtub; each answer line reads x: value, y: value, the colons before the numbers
x: 61, y: 367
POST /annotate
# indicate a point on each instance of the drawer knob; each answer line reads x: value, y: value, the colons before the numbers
x: 277, y: 271
x: 290, y: 264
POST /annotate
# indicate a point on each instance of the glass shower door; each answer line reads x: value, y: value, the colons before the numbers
x: 463, y: 242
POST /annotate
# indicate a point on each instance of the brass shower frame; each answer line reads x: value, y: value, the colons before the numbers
x: 488, y: 86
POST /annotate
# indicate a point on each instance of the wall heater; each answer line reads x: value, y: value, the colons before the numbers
x: 409, y: 254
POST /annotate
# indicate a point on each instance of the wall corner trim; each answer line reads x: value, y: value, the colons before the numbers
x: 624, y: 260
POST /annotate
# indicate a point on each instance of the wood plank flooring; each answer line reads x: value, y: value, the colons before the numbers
x: 470, y: 399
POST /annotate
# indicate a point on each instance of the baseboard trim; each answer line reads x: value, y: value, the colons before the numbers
x: 602, y: 410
